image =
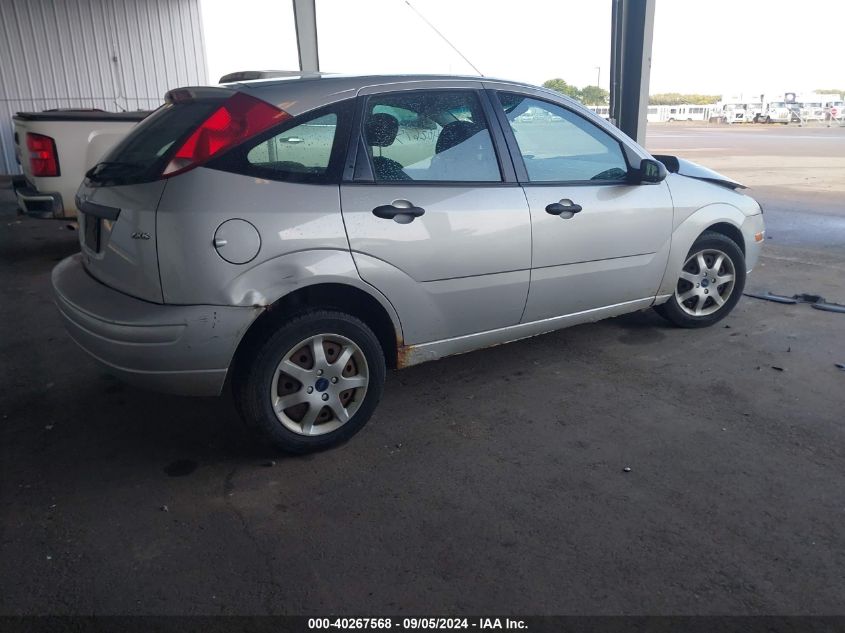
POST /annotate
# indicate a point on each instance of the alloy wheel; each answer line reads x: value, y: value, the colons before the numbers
x: 706, y: 282
x: 319, y: 384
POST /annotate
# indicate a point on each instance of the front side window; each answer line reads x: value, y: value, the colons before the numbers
x: 557, y: 145
x: 439, y: 136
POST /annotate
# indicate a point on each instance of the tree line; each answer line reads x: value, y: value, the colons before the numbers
x: 676, y: 98
x: 588, y: 95
x: 594, y: 95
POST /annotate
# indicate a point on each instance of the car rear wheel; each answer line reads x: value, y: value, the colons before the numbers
x: 709, y: 285
x: 313, y: 383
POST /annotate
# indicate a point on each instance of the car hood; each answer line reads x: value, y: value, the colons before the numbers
x: 693, y: 170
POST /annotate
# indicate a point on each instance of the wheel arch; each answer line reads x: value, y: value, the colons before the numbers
x: 719, y: 217
x: 731, y: 231
x: 343, y: 297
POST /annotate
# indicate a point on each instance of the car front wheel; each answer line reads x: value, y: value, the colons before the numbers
x: 709, y: 285
x: 313, y: 383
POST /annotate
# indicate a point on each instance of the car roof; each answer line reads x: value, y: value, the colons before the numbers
x: 298, y: 92
x: 281, y: 77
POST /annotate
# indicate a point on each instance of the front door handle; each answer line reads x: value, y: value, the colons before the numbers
x: 400, y: 211
x: 563, y: 207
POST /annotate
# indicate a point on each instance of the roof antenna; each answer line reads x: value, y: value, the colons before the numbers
x: 443, y: 37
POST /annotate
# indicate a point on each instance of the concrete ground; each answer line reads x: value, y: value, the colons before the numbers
x: 489, y: 483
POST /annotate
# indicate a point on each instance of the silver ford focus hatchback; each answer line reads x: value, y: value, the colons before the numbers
x: 302, y: 235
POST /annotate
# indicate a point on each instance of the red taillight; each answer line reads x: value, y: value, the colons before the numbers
x: 239, y: 118
x: 43, y: 160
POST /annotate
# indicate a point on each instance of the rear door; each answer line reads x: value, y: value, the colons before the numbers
x: 598, y: 240
x: 435, y: 219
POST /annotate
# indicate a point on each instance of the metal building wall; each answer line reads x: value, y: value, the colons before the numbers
x: 111, y: 54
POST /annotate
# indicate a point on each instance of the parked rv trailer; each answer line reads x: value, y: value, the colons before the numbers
x: 682, y: 112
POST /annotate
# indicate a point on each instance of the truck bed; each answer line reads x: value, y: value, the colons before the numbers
x: 82, y: 115
x: 80, y: 138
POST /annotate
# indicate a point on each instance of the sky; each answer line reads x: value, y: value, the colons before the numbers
x: 721, y: 47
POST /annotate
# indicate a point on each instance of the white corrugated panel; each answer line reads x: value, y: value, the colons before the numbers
x: 111, y: 54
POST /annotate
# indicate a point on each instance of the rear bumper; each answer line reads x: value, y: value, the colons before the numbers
x: 178, y: 349
x: 40, y: 205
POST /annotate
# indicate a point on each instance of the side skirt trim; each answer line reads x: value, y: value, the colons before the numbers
x: 415, y: 354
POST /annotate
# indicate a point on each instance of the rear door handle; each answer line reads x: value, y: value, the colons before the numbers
x: 400, y: 211
x: 564, y: 206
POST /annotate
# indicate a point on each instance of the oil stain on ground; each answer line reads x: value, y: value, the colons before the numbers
x: 641, y: 336
x: 180, y: 468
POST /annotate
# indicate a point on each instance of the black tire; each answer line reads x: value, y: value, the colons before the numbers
x: 672, y: 311
x: 252, y: 383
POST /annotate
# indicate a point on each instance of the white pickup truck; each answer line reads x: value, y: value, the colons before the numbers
x: 55, y: 148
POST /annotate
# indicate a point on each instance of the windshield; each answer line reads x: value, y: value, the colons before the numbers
x: 143, y: 153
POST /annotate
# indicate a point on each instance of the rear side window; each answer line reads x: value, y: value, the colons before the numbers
x: 306, y: 149
x: 143, y: 153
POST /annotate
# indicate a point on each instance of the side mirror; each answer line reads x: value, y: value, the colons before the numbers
x: 652, y: 171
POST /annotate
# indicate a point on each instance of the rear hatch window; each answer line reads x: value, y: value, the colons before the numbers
x: 143, y: 154
x: 194, y: 125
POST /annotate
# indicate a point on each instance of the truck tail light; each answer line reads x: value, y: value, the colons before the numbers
x: 239, y: 118
x: 43, y: 160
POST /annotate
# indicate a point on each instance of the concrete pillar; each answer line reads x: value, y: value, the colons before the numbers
x: 630, y: 65
x: 305, y: 18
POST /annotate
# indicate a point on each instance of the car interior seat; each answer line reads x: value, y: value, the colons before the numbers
x: 464, y: 148
x: 380, y: 131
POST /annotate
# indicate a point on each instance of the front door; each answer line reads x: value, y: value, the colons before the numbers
x: 597, y: 239
x: 431, y: 221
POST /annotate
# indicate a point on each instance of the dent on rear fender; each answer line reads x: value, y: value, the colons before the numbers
x: 271, y: 280
x: 263, y: 285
